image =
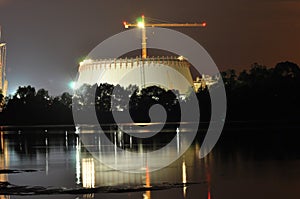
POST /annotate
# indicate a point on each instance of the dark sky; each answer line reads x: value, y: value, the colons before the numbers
x: 46, y: 38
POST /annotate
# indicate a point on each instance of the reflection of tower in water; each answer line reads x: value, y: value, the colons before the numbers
x: 88, y: 175
x: 4, y: 162
x: 85, y: 170
x: 90, y: 172
x: 184, y: 181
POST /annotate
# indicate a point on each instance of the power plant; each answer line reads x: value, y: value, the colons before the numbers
x: 3, y: 80
x: 148, y: 71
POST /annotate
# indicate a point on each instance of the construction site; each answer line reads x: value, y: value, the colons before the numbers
x: 149, y: 70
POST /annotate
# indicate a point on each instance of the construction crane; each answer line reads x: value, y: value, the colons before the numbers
x: 142, y: 24
x: 3, y: 80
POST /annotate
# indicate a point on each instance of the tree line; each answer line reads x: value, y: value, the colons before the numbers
x: 263, y: 93
x: 30, y: 107
x: 260, y: 93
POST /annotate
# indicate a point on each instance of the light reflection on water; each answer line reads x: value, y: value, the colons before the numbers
x: 63, y: 161
x: 4, y: 161
x: 228, y: 172
x: 93, y: 173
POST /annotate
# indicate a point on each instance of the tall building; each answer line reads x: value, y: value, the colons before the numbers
x: 3, y: 80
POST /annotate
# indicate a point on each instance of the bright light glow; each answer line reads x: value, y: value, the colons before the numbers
x: 86, y: 61
x: 2, y: 44
x: 77, y: 166
x: 141, y: 24
x: 204, y: 24
x: 181, y: 58
x: 13, y: 91
x: 88, y: 173
x: 183, y: 172
x: 72, y: 85
x: 184, y: 178
x: 125, y: 24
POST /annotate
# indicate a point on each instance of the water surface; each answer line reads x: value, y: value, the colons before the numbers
x: 255, y: 163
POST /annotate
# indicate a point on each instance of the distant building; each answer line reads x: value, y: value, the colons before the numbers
x: 3, y: 80
x: 205, y: 81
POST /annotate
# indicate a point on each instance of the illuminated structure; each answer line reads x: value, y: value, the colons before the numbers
x: 156, y: 71
x: 205, y: 81
x: 165, y: 72
x: 3, y: 80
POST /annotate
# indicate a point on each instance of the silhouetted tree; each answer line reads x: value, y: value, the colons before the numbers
x: 27, y: 106
x: 260, y: 93
x: 2, y: 101
x: 287, y: 70
x: 229, y: 78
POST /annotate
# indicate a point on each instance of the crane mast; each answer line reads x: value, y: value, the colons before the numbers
x: 142, y: 24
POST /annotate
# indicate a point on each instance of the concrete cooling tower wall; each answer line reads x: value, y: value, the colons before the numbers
x: 165, y: 72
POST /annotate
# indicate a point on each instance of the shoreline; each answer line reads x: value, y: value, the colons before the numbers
x: 229, y: 125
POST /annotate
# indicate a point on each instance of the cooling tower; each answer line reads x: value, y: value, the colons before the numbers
x: 165, y: 72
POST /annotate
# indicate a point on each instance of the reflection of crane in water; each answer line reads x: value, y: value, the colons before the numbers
x: 3, y: 80
x: 208, y: 175
x: 147, y: 194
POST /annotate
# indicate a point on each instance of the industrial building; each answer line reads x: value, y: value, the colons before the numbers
x: 3, y: 80
x: 165, y: 72
x: 172, y: 73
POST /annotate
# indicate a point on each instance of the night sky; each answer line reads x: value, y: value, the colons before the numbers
x: 47, y: 38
